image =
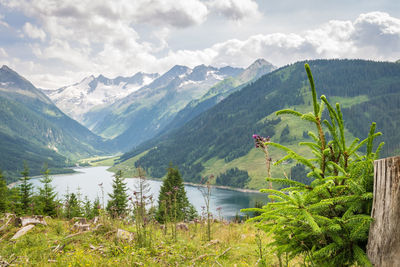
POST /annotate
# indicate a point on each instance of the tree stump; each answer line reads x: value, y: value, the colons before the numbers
x: 384, y: 236
x: 34, y: 219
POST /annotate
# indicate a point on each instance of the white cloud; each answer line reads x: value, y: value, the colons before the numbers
x: 34, y: 32
x: 373, y: 35
x: 83, y: 37
x: 378, y: 33
x: 178, y: 13
x: 234, y: 9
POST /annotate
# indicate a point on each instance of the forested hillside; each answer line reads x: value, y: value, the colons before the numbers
x: 34, y: 130
x: 225, y: 131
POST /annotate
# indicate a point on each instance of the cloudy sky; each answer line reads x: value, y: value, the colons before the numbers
x: 55, y: 43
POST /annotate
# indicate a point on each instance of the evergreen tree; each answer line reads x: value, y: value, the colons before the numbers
x: 47, y: 195
x: 87, y: 208
x: 72, y: 206
x: 3, y: 194
x: 327, y: 222
x: 25, y: 190
x: 118, y: 202
x: 173, y: 204
x: 96, y: 207
x: 14, y: 200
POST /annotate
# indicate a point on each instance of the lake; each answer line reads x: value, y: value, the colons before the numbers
x: 228, y: 202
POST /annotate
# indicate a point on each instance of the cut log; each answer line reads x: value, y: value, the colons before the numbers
x: 35, y: 219
x: 22, y: 231
x: 384, y: 236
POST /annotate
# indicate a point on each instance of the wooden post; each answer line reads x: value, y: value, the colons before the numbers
x: 384, y: 236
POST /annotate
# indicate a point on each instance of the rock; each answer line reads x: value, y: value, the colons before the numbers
x: 22, y: 231
x: 81, y: 227
x: 125, y: 235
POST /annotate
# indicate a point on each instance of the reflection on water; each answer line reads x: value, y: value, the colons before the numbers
x: 88, y: 180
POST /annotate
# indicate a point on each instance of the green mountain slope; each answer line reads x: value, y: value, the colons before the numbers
x: 143, y: 113
x: 34, y: 130
x: 221, y: 138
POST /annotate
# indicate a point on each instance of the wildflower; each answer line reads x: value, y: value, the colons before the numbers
x: 260, y: 140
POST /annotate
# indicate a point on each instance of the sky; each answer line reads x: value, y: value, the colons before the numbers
x: 54, y: 43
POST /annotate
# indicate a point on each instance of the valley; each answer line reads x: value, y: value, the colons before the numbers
x: 200, y: 120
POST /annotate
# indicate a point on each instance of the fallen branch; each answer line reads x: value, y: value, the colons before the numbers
x: 223, y: 253
x: 22, y: 231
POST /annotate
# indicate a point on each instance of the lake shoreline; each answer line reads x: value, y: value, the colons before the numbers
x: 243, y: 190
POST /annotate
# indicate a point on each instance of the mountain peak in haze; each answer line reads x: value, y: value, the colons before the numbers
x: 257, y: 69
x: 5, y: 68
x: 11, y: 80
x: 177, y: 70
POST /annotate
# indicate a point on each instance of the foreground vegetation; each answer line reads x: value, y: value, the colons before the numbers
x: 60, y: 244
x: 327, y: 219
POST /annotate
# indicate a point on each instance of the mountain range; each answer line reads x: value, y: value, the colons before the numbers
x: 132, y: 110
x: 220, y: 139
x: 96, y: 92
x: 35, y: 130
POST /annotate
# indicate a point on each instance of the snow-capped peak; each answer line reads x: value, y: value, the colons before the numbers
x: 92, y: 92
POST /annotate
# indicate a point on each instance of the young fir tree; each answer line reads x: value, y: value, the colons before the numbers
x: 173, y: 204
x: 96, y: 207
x: 3, y: 194
x: 47, y: 195
x: 14, y: 200
x: 87, y: 208
x: 25, y: 191
x: 118, y: 202
x: 72, y: 206
x: 327, y: 222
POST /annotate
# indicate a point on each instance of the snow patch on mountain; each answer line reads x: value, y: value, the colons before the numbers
x: 92, y: 93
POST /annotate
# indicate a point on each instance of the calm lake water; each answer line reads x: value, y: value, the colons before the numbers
x: 88, y: 179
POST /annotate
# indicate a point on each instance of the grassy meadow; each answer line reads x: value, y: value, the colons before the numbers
x: 58, y: 244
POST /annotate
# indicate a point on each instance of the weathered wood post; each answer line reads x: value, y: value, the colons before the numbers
x: 384, y: 236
